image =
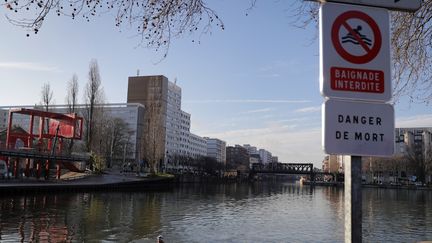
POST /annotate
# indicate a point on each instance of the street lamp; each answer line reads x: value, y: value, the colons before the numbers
x: 167, y: 160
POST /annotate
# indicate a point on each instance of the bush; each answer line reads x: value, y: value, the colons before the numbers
x: 98, y: 162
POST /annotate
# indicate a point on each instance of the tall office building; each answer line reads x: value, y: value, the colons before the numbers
x: 166, y: 132
x: 152, y: 92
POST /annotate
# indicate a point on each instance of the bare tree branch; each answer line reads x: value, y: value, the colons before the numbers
x: 156, y: 21
x: 412, y: 49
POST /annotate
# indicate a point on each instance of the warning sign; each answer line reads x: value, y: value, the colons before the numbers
x: 370, y: 45
x: 355, y: 70
x: 355, y: 52
x: 358, y: 128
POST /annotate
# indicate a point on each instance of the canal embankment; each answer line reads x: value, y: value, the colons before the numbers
x: 90, y: 182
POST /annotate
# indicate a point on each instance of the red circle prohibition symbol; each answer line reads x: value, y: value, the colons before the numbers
x: 372, y: 52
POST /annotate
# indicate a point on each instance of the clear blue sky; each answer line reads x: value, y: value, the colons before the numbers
x: 255, y: 82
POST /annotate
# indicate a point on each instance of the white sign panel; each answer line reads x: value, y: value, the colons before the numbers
x: 356, y: 128
x: 354, y: 52
x: 407, y: 5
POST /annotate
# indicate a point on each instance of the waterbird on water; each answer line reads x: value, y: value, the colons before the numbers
x: 160, y: 239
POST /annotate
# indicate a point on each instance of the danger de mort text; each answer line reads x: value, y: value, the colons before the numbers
x: 361, y: 121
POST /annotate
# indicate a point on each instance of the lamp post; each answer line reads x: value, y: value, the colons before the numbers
x: 167, y: 160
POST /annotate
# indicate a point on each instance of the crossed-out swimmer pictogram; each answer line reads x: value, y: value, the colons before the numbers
x: 370, y: 45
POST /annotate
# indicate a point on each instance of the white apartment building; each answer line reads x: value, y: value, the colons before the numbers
x: 198, y: 146
x: 176, y: 129
x: 254, y: 157
x: 250, y: 149
x: 216, y: 149
x: 266, y: 156
x: 179, y: 139
x: 184, y: 128
x: 417, y: 140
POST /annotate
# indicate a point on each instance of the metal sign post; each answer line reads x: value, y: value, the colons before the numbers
x: 353, y: 200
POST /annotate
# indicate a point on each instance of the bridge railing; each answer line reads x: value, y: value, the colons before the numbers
x: 287, y: 167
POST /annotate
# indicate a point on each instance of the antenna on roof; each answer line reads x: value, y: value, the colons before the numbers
x: 138, y: 72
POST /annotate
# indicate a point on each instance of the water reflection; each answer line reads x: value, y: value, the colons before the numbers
x: 397, y: 215
x: 32, y: 218
x: 79, y: 217
x: 260, y: 212
x: 272, y: 212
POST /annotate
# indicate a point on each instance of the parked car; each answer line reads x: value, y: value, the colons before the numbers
x: 418, y: 183
x: 395, y: 183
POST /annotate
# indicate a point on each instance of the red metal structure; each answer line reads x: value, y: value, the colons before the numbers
x: 46, y: 143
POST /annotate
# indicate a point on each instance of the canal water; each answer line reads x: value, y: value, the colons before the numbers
x: 261, y: 212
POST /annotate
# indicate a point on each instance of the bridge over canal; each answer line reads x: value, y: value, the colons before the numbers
x: 291, y: 169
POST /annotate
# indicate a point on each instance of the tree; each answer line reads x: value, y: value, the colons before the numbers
x: 417, y: 160
x: 412, y: 48
x: 46, y: 100
x: 154, y: 129
x: 93, y: 96
x: 117, y: 140
x: 72, y: 94
x: 208, y: 165
x: 156, y: 21
x: 46, y: 96
x: 72, y: 101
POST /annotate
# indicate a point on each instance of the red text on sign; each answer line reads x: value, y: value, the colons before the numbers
x: 357, y: 80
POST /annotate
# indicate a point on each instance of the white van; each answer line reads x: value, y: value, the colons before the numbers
x: 3, y: 169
